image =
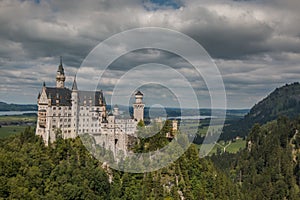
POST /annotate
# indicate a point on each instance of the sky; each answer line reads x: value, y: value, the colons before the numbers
x: 254, y: 43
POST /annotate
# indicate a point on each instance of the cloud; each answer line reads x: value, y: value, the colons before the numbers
x: 256, y: 44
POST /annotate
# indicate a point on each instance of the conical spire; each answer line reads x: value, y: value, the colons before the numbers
x: 44, y: 84
x: 60, y: 76
x: 74, y: 86
x: 60, y: 67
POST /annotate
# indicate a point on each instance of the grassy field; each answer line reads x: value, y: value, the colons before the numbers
x: 12, y: 122
x: 236, y: 146
x: 232, y: 147
x: 18, y: 118
x: 6, y: 131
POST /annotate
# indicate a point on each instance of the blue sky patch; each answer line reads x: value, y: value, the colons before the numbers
x: 162, y: 4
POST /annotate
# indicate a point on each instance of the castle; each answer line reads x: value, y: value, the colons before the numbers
x: 68, y: 113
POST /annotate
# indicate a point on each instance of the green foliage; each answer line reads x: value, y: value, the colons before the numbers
x: 152, y: 137
x: 284, y: 101
x: 65, y: 170
x: 269, y: 167
x: 6, y: 131
x: 29, y: 170
x: 16, y: 107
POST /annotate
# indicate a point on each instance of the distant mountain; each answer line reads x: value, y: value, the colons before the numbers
x: 284, y: 101
x: 17, y: 107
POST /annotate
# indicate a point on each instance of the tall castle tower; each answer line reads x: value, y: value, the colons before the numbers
x: 75, y: 108
x: 138, y: 107
x: 60, y: 76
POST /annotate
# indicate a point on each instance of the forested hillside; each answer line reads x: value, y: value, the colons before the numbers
x: 284, y: 101
x: 16, y: 107
x: 65, y: 170
x: 269, y: 168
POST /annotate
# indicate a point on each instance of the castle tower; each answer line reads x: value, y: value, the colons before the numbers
x: 75, y: 111
x: 138, y: 107
x: 43, y: 119
x: 60, y: 76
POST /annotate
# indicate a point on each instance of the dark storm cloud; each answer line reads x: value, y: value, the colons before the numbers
x: 256, y: 44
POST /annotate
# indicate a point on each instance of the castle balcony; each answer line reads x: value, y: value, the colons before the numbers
x: 42, y: 118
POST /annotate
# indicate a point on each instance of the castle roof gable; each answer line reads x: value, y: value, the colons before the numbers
x: 139, y: 93
x: 96, y: 97
x: 61, y: 94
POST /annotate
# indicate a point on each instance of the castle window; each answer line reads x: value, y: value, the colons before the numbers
x: 59, y: 108
x: 54, y: 108
x: 54, y: 114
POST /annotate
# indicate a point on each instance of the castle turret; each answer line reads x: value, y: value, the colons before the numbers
x: 60, y: 76
x: 75, y: 108
x: 116, y: 110
x: 138, y: 107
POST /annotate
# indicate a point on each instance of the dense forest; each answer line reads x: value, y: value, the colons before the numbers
x: 66, y: 170
x: 269, y: 168
x: 283, y: 101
